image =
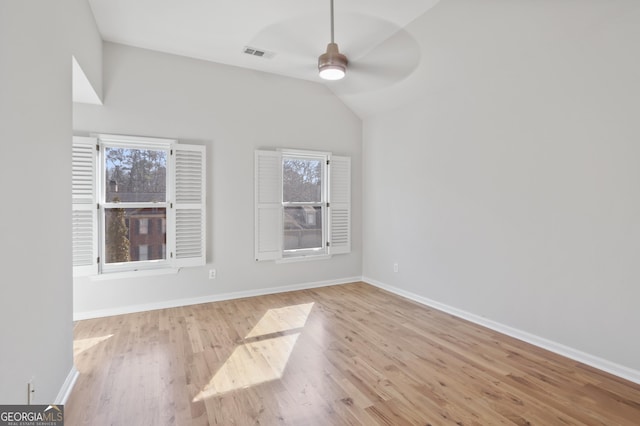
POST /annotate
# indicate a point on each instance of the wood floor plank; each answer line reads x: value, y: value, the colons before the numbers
x: 341, y: 355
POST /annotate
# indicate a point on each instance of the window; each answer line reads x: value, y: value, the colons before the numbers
x: 143, y: 252
x: 302, y: 204
x: 123, y: 186
x: 303, y: 197
x: 143, y: 226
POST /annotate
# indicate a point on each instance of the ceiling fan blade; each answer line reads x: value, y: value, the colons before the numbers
x: 391, y: 61
x: 357, y: 34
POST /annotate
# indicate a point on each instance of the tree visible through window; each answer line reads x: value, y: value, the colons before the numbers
x: 135, y: 192
x: 135, y: 175
x: 117, y: 244
x: 303, y: 202
x: 302, y: 205
x: 302, y: 180
x: 137, y: 203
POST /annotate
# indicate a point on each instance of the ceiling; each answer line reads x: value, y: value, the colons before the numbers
x: 293, y: 33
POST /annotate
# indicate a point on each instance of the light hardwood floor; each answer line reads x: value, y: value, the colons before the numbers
x: 342, y: 355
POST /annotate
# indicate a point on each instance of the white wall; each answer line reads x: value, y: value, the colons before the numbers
x: 509, y: 187
x: 233, y: 112
x: 37, y: 40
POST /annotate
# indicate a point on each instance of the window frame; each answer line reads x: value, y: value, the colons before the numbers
x: 185, y: 219
x: 268, y: 204
x: 323, y: 157
x: 131, y: 142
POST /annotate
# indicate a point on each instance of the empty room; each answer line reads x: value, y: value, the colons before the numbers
x: 321, y: 212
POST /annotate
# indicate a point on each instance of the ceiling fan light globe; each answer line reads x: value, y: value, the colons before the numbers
x: 332, y: 72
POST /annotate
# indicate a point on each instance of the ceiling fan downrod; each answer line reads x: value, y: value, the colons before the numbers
x: 332, y: 65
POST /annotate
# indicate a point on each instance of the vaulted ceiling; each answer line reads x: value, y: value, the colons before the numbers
x: 292, y: 33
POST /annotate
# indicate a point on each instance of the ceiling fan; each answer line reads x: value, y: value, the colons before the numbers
x: 380, y: 52
x: 332, y: 65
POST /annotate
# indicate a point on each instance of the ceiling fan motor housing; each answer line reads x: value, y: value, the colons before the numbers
x: 332, y: 59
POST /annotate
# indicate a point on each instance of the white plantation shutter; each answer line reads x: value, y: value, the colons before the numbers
x: 84, y: 206
x: 339, y: 205
x: 189, y: 206
x: 268, y: 204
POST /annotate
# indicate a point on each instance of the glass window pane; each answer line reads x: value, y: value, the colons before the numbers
x: 143, y: 252
x: 143, y: 225
x: 303, y: 227
x: 135, y: 175
x: 125, y: 243
x: 302, y: 180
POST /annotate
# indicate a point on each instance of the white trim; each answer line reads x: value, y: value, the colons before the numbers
x: 268, y: 205
x: 558, y: 348
x: 78, y: 316
x: 83, y: 206
x: 134, y: 274
x: 339, y: 217
x: 574, y: 354
x: 303, y: 153
x: 304, y: 258
x: 135, y: 141
x: 67, y: 386
x: 189, y: 213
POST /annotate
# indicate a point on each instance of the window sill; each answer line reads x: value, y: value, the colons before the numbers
x: 307, y: 258
x: 134, y: 274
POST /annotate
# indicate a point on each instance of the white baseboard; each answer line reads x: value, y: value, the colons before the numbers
x: 77, y: 316
x: 67, y: 386
x: 566, y: 351
x: 577, y: 355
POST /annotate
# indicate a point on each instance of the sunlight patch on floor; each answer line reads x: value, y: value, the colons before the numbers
x: 81, y: 345
x: 263, y: 359
x: 281, y: 319
x: 251, y: 364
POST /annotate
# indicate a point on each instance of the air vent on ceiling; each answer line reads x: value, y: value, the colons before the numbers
x: 258, y: 52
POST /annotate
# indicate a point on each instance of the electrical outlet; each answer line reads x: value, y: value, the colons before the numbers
x: 395, y: 267
x: 212, y: 274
